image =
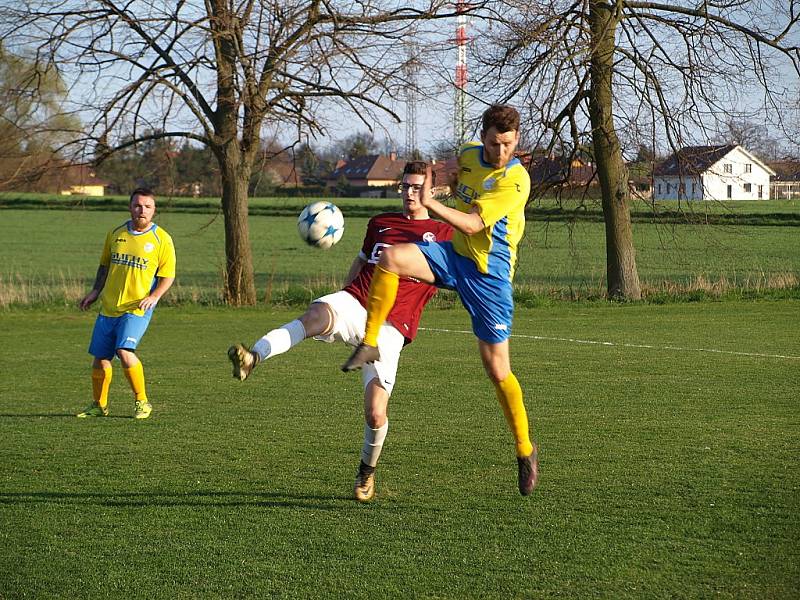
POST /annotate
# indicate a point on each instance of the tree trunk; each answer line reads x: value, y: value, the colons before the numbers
x: 239, y: 285
x: 622, y: 276
x: 235, y: 164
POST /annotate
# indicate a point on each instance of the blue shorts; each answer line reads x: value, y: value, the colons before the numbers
x: 488, y: 299
x: 112, y: 333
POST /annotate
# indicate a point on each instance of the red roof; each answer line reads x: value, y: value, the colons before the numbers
x: 371, y: 167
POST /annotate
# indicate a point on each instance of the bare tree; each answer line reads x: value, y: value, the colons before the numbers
x: 588, y: 70
x: 30, y: 99
x: 220, y: 72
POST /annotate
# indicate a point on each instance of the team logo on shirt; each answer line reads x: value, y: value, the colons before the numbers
x: 466, y: 193
x: 428, y: 236
x: 129, y: 260
x: 148, y: 247
x: 489, y: 183
x: 376, y: 252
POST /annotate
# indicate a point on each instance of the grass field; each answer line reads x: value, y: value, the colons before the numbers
x: 557, y: 259
x: 669, y: 450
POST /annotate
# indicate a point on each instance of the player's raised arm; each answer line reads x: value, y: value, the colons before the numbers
x: 467, y: 223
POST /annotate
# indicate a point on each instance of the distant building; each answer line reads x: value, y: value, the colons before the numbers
x: 284, y: 171
x: 712, y: 173
x: 80, y: 180
x: 364, y: 172
x: 785, y: 185
x: 557, y: 171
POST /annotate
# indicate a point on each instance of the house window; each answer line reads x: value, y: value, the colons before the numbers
x: 748, y: 187
x: 730, y: 192
x: 760, y: 191
x: 748, y: 168
x: 727, y: 168
x: 669, y: 188
x: 694, y: 189
x: 659, y: 188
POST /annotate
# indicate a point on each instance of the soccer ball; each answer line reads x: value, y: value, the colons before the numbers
x: 321, y: 224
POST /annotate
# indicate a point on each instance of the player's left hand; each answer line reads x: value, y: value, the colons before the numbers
x: 426, y: 193
x: 148, y: 302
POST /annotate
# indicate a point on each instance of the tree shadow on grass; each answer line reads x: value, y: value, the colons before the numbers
x: 201, y: 498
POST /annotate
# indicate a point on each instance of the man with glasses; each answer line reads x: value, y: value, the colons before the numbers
x: 341, y: 316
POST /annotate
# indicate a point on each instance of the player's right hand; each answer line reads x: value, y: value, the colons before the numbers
x: 88, y: 300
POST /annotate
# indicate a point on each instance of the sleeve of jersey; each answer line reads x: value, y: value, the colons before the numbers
x: 105, y: 255
x: 508, y: 196
x: 166, y: 258
x: 369, y: 240
x: 445, y: 233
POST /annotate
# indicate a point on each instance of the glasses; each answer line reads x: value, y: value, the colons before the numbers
x: 409, y: 187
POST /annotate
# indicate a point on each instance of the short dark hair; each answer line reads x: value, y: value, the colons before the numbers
x: 141, y: 191
x: 502, y: 117
x: 419, y: 167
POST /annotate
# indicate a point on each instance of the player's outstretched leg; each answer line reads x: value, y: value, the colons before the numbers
x: 363, y: 354
x: 528, y: 472
x: 364, y: 488
x: 243, y: 360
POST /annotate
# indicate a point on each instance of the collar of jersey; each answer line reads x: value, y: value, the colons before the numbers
x: 511, y: 163
x: 134, y: 232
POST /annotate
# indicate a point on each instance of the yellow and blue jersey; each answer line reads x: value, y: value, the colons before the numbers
x: 500, y: 195
x: 134, y: 260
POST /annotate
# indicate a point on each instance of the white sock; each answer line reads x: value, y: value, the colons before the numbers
x: 373, y: 443
x: 280, y: 340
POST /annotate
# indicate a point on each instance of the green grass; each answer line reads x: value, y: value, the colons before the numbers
x: 51, y: 256
x: 669, y: 462
x: 278, y: 205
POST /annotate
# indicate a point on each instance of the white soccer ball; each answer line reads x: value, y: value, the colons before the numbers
x: 321, y: 224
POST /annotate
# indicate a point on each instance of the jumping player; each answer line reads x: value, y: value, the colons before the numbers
x: 491, y: 190
x: 341, y: 316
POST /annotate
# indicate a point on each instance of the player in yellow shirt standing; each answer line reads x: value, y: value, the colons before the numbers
x: 137, y: 267
x: 491, y: 191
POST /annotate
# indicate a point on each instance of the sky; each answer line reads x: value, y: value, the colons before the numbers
x: 434, y: 107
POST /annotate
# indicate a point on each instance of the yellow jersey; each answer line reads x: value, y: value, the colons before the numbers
x: 134, y: 261
x: 500, y: 195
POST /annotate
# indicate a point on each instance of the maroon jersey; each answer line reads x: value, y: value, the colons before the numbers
x: 389, y: 229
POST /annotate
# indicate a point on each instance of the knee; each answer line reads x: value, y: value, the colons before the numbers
x: 318, y: 319
x: 497, y: 373
x: 375, y: 417
x: 389, y: 259
x: 126, y: 357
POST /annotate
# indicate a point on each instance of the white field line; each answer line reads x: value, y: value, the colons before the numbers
x: 624, y: 344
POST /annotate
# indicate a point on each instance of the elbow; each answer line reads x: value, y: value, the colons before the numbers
x: 472, y: 229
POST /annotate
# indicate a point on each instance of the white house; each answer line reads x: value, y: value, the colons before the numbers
x: 712, y: 173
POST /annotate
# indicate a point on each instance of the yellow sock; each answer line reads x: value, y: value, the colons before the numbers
x: 509, y: 393
x: 135, y: 377
x: 101, y: 381
x: 382, y: 293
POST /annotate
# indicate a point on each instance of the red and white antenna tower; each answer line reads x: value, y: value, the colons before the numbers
x: 460, y: 112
